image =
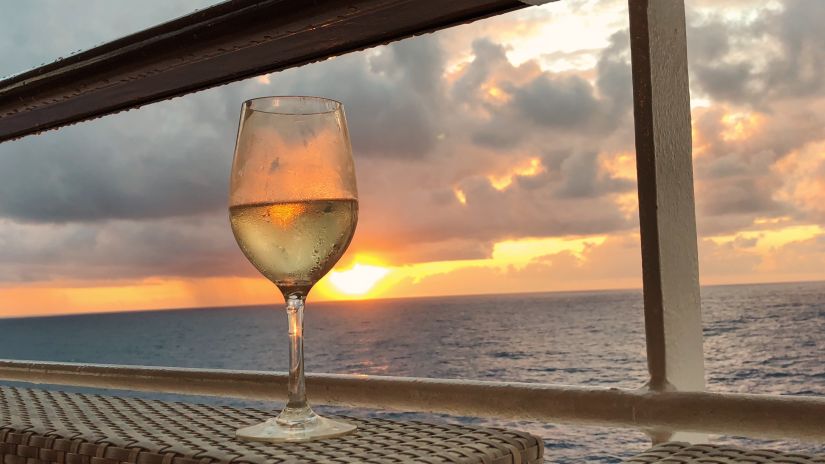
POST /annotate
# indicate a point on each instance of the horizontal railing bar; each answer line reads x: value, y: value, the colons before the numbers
x: 764, y: 416
x: 227, y: 42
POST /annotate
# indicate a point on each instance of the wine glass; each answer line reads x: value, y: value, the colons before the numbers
x: 293, y: 205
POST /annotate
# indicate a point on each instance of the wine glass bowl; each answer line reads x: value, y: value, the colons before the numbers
x: 293, y: 206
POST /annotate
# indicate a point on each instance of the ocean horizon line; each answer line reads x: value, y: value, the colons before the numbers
x: 323, y: 303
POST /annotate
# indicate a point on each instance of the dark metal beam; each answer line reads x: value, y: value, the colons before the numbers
x: 221, y: 44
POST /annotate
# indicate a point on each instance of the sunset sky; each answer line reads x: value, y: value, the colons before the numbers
x: 495, y: 157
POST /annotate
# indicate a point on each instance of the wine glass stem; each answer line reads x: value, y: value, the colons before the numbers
x: 297, y: 386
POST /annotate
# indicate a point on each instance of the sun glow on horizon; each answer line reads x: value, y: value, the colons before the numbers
x: 358, y: 280
x: 370, y: 277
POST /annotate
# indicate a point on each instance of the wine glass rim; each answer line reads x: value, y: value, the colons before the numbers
x: 335, y: 105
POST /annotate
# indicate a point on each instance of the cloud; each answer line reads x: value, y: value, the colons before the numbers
x: 581, y: 177
x: 777, y: 53
x: 614, y: 81
x: 489, y: 58
x: 393, y: 96
x: 803, y: 186
x: 562, y: 102
x: 742, y: 162
x: 739, y: 261
x: 160, y: 163
x: 615, y: 263
x: 140, y: 193
x: 523, y: 101
x: 199, y: 246
x: 728, y: 82
x: 762, y: 75
x: 530, y: 147
x: 171, y: 159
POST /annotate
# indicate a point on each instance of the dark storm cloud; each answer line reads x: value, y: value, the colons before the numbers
x: 708, y: 41
x: 766, y: 78
x: 488, y: 58
x: 581, y: 177
x: 740, y: 195
x: 492, y: 214
x: 417, y: 63
x: 166, y: 160
x: 140, y: 193
x: 392, y: 99
x: 564, y: 102
x: 195, y: 246
x: 737, y: 180
x: 172, y: 159
x: 108, y: 171
x: 496, y: 137
x: 779, y: 54
x: 144, y: 193
x: 614, y: 80
x: 489, y: 134
x: 728, y: 82
x: 712, y: 70
x: 540, y: 205
x: 799, y: 71
x: 572, y: 103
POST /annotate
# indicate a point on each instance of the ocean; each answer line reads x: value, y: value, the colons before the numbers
x: 758, y: 339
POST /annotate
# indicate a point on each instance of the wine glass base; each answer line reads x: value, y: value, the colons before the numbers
x: 273, y: 432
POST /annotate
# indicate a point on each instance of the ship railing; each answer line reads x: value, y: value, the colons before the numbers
x: 243, y: 38
x: 656, y: 412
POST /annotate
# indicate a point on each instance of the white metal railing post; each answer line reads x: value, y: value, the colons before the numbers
x: 661, y: 107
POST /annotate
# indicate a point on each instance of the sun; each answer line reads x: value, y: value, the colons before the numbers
x: 358, y: 280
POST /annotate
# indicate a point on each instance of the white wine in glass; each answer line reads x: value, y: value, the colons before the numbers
x: 293, y: 205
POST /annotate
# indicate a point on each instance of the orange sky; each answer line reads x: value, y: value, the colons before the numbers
x: 527, y: 265
x: 504, y: 197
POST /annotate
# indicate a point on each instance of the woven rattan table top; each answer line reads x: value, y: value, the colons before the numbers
x: 684, y: 453
x: 41, y: 426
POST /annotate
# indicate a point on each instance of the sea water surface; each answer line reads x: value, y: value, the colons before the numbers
x: 758, y: 339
